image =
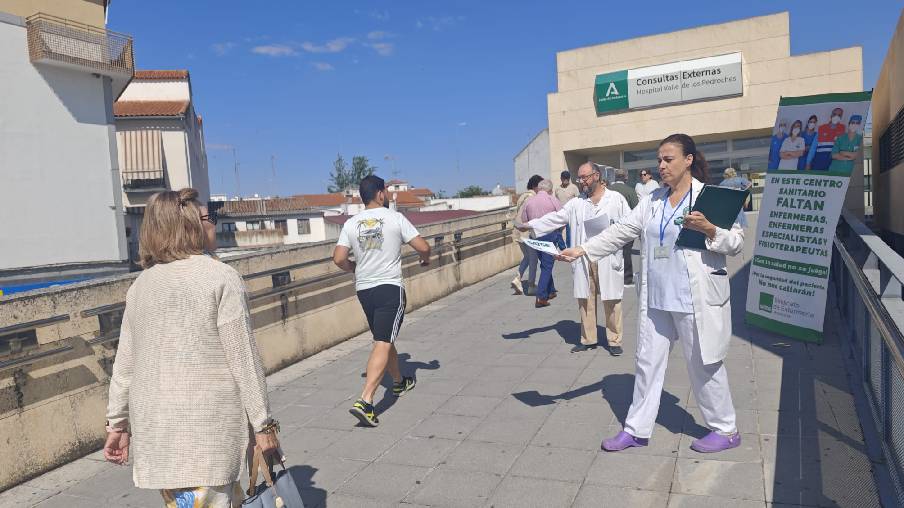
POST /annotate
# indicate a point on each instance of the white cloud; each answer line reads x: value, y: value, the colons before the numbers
x: 334, y: 46
x: 380, y: 15
x: 222, y: 48
x: 323, y: 66
x: 377, y: 35
x: 382, y: 48
x: 274, y: 50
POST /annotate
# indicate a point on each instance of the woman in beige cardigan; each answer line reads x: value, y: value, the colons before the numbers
x: 187, y: 380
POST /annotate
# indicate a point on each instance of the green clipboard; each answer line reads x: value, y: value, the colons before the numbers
x: 721, y: 206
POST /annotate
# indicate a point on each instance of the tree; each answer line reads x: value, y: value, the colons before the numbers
x: 340, y: 176
x: 470, y: 191
x: 361, y: 169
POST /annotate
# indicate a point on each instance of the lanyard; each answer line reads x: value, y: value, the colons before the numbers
x: 662, y: 224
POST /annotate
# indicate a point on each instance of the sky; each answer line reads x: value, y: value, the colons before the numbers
x: 440, y: 93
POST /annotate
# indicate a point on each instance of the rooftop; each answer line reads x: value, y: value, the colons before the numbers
x: 149, y: 108
x: 162, y: 75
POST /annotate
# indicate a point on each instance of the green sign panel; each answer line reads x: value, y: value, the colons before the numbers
x: 611, y: 92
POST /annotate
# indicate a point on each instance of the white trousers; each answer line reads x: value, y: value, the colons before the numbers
x: 658, y: 332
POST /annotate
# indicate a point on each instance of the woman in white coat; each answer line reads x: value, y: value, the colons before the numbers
x: 605, y: 278
x: 683, y: 296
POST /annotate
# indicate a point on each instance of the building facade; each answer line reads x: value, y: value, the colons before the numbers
x: 161, y: 143
x: 720, y: 84
x: 61, y: 71
x: 888, y: 142
x: 532, y: 160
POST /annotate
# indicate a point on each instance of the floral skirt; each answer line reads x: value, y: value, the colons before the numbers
x: 224, y: 496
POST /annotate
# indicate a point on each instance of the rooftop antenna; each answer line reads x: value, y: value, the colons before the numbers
x: 272, y: 175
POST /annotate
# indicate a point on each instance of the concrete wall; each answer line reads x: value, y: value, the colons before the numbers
x: 52, y: 410
x: 532, y: 160
x: 157, y: 90
x: 478, y: 204
x: 769, y: 72
x: 90, y: 12
x: 61, y: 191
x: 888, y: 101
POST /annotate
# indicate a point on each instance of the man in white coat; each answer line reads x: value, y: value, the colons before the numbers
x: 605, y: 278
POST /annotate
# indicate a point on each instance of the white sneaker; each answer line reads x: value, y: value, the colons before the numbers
x: 517, y: 287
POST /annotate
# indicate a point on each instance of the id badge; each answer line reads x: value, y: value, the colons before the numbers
x: 662, y: 251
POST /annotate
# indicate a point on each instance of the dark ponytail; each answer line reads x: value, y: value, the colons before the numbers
x: 699, y: 167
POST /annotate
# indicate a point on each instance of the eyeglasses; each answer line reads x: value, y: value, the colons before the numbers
x: 586, y: 178
x: 210, y: 217
x: 644, y: 174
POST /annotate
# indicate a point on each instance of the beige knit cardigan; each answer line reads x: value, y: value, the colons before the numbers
x: 187, y: 378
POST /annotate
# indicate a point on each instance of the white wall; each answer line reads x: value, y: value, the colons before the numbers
x: 533, y: 159
x: 156, y: 90
x: 478, y: 204
x: 60, y: 191
x: 318, y: 231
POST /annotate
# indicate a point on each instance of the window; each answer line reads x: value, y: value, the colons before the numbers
x: 713, y: 147
x: 750, y: 143
x: 18, y: 342
x: 254, y: 225
x: 282, y: 226
x: 304, y: 226
x: 642, y: 155
x: 891, y: 144
x: 228, y: 227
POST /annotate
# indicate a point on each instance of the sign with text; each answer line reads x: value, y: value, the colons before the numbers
x: 686, y: 81
x: 789, y: 273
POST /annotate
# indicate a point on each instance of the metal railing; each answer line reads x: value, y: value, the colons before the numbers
x: 143, y: 180
x: 55, y: 39
x: 110, y: 316
x: 866, y: 277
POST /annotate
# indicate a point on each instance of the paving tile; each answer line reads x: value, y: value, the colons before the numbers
x: 469, y: 405
x: 323, y: 473
x: 346, y: 501
x: 308, y: 440
x: 361, y: 446
x: 686, y: 501
x: 635, y: 471
x: 483, y: 456
x: 441, y: 386
x: 384, y: 482
x: 596, y: 496
x: 65, y: 476
x: 579, y: 436
x: 489, y: 388
x: 563, y: 464
x: 735, y: 480
x: 454, y: 487
x: 419, y: 451
x: 506, y: 431
x: 66, y: 501
x: 26, y: 495
x: 533, y: 492
x: 514, y: 409
x: 446, y: 426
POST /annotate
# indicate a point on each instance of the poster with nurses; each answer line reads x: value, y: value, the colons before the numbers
x: 816, y: 143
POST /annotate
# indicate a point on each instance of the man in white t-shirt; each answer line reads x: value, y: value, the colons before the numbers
x: 646, y: 184
x: 376, y: 236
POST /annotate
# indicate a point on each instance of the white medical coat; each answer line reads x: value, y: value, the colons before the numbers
x: 611, y: 269
x: 710, y: 292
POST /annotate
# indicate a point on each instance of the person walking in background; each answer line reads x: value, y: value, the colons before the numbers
x: 621, y: 186
x: 528, y: 256
x: 646, y: 185
x: 731, y: 179
x: 565, y: 193
x: 603, y: 279
x: 684, y: 297
x: 376, y: 236
x: 536, y: 207
x: 187, y: 379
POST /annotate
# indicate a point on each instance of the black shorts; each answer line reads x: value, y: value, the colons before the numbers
x: 384, y: 306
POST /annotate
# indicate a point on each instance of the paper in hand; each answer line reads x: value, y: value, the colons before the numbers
x: 596, y: 225
x: 539, y: 245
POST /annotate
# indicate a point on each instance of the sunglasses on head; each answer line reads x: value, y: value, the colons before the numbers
x: 210, y: 217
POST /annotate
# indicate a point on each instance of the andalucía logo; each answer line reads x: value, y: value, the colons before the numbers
x: 766, y: 302
x: 610, y: 92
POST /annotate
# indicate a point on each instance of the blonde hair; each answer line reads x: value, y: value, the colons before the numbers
x: 729, y: 173
x: 171, y: 229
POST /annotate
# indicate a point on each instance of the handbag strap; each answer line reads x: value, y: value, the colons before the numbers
x: 259, y: 463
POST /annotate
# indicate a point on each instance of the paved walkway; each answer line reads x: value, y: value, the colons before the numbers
x: 505, y: 415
